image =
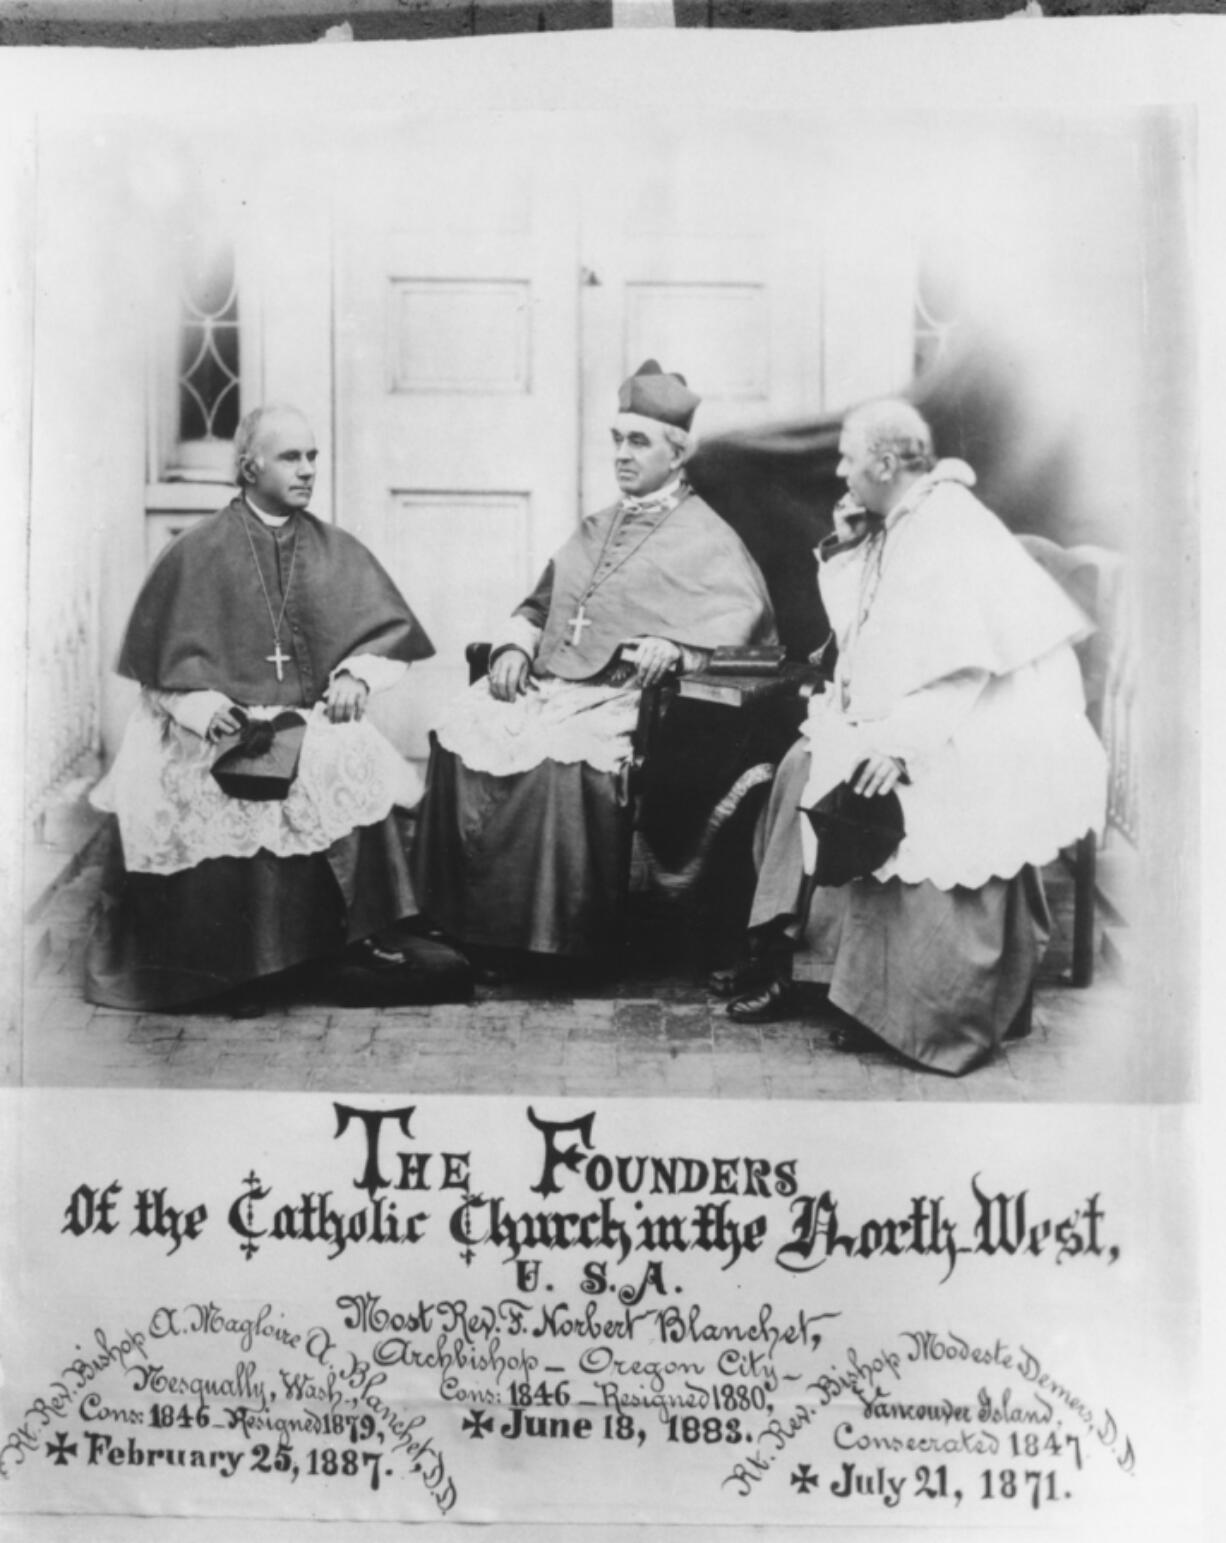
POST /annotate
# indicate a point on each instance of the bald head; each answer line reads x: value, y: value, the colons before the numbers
x: 274, y: 459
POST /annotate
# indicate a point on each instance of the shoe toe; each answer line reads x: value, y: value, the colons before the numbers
x: 371, y: 956
x: 772, y: 1001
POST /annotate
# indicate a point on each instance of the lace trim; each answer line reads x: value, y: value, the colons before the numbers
x: 172, y: 814
x: 1021, y: 779
x: 562, y: 720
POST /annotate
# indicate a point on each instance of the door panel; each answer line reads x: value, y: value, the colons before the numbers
x: 467, y: 336
x: 468, y: 557
x: 456, y: 382
x: 688, y: 260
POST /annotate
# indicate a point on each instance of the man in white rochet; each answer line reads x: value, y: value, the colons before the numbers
x: 958, y: 690
x: 521, y: 835
x: 259, y: 611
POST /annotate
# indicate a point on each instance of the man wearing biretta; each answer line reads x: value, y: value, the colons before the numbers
x: 522, y: 835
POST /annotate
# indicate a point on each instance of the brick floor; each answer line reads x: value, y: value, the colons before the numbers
x: 650, y: 1031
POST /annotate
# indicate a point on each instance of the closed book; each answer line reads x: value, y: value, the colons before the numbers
x: 735, y: 690
x: 743, y: 667
x: 767, y: 660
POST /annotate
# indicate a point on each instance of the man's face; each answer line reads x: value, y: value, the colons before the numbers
x: 643, y: 459
x: 860, y: 469
x: 282, y: 464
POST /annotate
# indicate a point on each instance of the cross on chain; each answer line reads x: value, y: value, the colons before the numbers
x: 278, y: 658
x: 576, y: 625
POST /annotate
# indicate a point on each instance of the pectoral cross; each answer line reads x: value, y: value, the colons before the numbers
x: 576, y: 625
x: 278, y: 658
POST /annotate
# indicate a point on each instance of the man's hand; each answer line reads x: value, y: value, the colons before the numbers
x: 510, y: 676
x: 653, y: 659
x: 225, y: 720
x: 345, y: 699
x: 849, y: 516
x: 879, y: 774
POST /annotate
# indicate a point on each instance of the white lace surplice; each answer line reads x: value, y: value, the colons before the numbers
x: 1012, y: 774
x: 172, y: 814
x: 961, y: 664
x: 563, y: 720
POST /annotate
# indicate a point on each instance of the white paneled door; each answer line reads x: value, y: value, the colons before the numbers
x: 688, y: 259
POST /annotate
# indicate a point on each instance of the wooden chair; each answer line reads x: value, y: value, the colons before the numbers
x: 734, y: 750
x: 1094, y: 578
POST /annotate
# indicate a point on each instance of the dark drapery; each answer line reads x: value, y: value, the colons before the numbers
x: 777, y: 485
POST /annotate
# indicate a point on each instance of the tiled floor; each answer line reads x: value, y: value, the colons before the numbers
x: 652, y: 1032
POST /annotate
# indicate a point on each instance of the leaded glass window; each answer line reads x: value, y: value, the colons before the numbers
x: 208, y: 372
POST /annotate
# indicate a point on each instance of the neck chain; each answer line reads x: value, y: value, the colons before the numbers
x: 665, y: 507
x: 875, y: 543
x: 276, y: 658
x: 872, y: 551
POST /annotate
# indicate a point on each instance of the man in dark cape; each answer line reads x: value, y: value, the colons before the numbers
x: 523, y: 840
x: 259, y: 611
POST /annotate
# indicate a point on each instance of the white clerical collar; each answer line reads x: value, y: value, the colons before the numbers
x: 667, y: 497
x: 274, y: 520
x: 950, y: 469
x: 854, y: 525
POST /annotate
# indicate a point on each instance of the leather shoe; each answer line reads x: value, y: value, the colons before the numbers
x: 371, y: 956
x: 852, y: 1039
x: 739, y: 979
x: 489, y: 974
x: 774, y: 1000
x: 245, y: 1003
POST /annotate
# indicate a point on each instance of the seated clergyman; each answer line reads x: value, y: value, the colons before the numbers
x: 958, y: 691
x: 259, y: 610
x: 522, y: 840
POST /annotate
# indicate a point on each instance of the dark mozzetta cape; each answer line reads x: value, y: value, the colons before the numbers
x: 687, y: 578
x: 201, y: 621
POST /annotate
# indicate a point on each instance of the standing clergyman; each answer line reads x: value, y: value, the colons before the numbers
x: 522, y: 832
x: 260, y: 611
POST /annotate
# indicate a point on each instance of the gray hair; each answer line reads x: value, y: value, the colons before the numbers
x: 247, y: 435
x: 890, y: 425
x: 680, y: 439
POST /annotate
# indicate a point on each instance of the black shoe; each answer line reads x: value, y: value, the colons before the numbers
x: 246, y: 1002
x: 492, y: 966
x: 374, y: 956
x: 738, y: 980
x: 852, y: 1039
x: 425, y: 973
x: 774, y: 1000
x: 489, y: 975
